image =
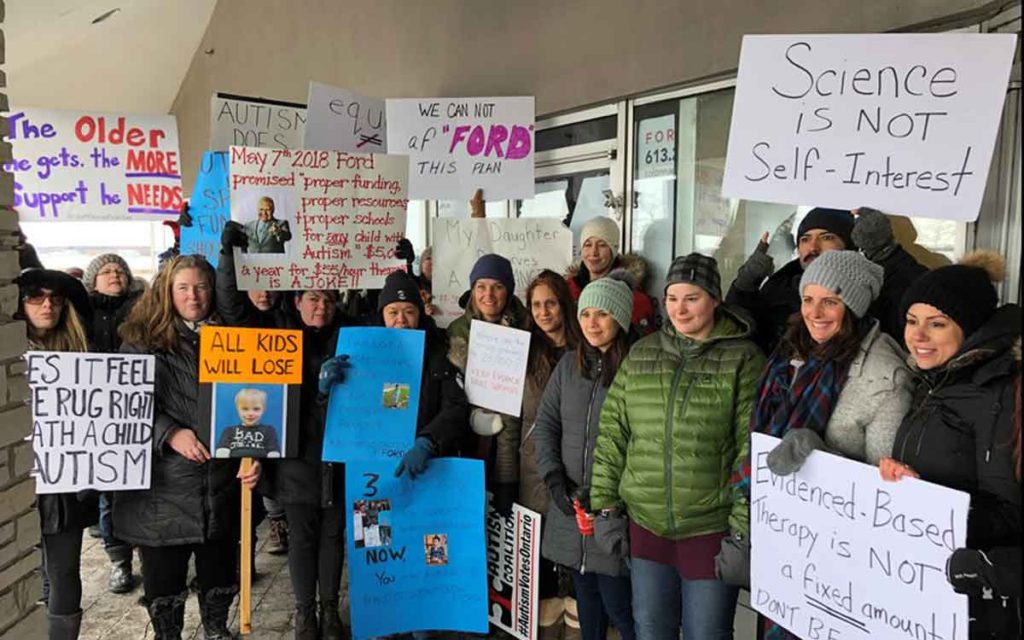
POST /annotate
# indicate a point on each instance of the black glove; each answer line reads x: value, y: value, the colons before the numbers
x: 233, y: 236
x: 872, y: 233
x: 404, y: 251
x: 560, y: 490
x: 732, y: 564
x: 184, y: 218
x: 970, y: 572
x: 505, y: 493
x: 757, y: 267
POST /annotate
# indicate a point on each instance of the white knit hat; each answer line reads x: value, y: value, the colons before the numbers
x: 604, y: 229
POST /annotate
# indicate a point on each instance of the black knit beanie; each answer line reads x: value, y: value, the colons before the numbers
x: 838, y: 221
x: 399, y: 286
x: 964, y: 293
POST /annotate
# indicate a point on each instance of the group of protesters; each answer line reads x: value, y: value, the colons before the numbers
x: 634, y: 435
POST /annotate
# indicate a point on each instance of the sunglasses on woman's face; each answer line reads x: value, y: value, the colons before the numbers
x: 56, y: 299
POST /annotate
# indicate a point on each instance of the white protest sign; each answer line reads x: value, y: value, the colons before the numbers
x: 496, y: 367
x: 837, y: 553
x: 86, y: 165
x: 317, y: 219
x: 255, y: 122
x: 344, y: 120
x: 459, y: 145
x: 904, y: 123
x: 92, y: 420
x: 530, y: 244
x: 513, y: 562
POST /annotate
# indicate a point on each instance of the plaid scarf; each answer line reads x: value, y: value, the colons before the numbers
x: 784, y: 403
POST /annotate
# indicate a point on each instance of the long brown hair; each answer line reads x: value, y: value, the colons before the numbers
x: 610, y: 359
x: 842, y: 347
x: 151, y: 322
x: 68, y: 335
x: 543, y: 353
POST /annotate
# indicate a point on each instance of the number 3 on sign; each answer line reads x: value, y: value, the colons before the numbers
x: 371, y: 481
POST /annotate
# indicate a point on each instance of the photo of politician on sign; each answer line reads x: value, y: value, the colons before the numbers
x: 265, y: 213
x: 249, y: 420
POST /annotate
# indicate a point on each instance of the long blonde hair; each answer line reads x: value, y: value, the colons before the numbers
x: 151, y: 323
x: 68, y: 335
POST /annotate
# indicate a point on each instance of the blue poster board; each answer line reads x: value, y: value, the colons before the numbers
x: 209, y: 206
x: 417, y: 548
x: 372, y: 414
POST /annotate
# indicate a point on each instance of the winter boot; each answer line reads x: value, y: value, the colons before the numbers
x: 278, y: 545
x: 550, y: 620
x: 305, y: 622
x: 572, y: 620
x: 214, y: 606
x: 121, y: 579
x: 167, y: 614
x: 64, y: 627
x: 330, y: 621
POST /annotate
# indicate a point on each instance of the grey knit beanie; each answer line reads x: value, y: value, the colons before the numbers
x: 612, y: 294
x: 849, y: 275
x: 89, y: 279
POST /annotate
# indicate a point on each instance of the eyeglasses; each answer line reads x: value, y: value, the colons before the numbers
x: 113, y: 271
x: 55, y: 299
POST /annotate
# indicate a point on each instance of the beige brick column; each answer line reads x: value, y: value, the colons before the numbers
x: 20, y: 581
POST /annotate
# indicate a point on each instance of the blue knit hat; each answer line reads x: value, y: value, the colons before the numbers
x: 494, y: 267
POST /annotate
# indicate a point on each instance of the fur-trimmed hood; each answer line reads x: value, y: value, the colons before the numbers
x: 633, y: 263
x: 458, y: 331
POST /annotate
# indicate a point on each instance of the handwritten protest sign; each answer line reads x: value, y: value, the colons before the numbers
x: 85, y: 165
x: 317, y: 219
x: 496, y: 367
x: 255, y: 122
x: 344, y: 120
x: 900, y: 122
x: 92, y: 420
x: 838, y: 553
x: 372, y: 414
x: 210, y: 208
x: 416, y: 548
x: 531, y: 244
x: 459, y: 145
x: 513, y: 562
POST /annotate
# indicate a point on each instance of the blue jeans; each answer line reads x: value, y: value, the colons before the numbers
x: 662, y: 602
x: 106, y: 524
x: 600, y: 598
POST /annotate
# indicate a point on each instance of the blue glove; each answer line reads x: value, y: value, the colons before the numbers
x: 415, y: 460
x: 332, y: 372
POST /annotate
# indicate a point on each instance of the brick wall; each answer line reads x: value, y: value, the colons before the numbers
x: 20, y: 583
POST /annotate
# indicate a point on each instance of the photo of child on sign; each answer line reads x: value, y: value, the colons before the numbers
x: 435, y: 546
x: 249, y: 420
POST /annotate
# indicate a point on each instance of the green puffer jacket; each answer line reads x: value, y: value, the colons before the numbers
x: 676, y: 426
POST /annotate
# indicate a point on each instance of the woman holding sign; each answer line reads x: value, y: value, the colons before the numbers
x: 54, y: 306
x: 491, y: 299
x: 192, y: 507
x: 674, y: 429
x: 960, y: 430
x: 565, y: 434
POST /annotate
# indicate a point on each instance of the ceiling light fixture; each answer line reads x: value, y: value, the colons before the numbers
x: 100, y: 18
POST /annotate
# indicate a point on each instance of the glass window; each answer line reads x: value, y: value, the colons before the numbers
x: 68, y: 244
x: 573, y: 198
x: 577, y: 133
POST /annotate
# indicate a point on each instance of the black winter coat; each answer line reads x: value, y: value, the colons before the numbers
x: 187, y: 503
x: 959, y: 434
x: 779, y: 298
x: 108, y: 312
x: 444, y: 409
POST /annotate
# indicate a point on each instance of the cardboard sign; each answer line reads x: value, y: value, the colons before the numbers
x: 317, y: 219
x: 513, y: 563
x: 255, y: 122
x: 904, y: 123
x: 232, y: 354
x: 92, y: 420
x: 210, y: 208
x: 372, y: 414
x: 496, y: 367
x: 344, y: 120
x: 86, y: 165
x: 459, y: 145
x: 416, y: 548
x: 531, y: 244
x: 839, y: 553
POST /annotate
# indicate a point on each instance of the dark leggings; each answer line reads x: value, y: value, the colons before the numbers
x: 316, y: 548
x: 62, y: 557
x: 165, y: 569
